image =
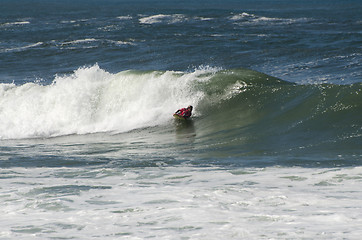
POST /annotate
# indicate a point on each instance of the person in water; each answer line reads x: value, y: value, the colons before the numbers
x: 185, y: 112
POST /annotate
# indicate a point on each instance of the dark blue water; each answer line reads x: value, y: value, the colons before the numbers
x: 299, y: 41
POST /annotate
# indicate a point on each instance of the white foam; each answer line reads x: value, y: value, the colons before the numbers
x: 170, y: 19
x: 14, y: 23
x: 93, y: 100
x: 240, y: 16
x: 122, y: 43
x: 203, y: 18
x: 86, y: 40
x: 68, y: 21
x: 162, y: 18
x: 247, y: 18
x: 22, y: 48
x: 192, y: 202
x: 124, y: 17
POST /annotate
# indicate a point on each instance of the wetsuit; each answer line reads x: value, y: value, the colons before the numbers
x: 186, y: 113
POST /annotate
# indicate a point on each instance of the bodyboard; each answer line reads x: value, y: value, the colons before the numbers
x: 179, y: 117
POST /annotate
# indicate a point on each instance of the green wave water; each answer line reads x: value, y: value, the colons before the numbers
x: 246, y: 113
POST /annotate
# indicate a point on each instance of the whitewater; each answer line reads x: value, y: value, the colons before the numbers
x: 92, y: 100
x: 182, y: 203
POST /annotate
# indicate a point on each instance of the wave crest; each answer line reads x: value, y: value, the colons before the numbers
x: 92, y: 100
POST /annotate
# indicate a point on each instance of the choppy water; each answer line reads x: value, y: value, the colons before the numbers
x: 89, y: 148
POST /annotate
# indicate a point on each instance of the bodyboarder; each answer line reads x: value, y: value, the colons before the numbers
x: 185, y: 112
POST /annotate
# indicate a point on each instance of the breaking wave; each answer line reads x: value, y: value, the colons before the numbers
x: 235, y: 106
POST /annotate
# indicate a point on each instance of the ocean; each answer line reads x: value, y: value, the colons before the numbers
x: 89, y: 148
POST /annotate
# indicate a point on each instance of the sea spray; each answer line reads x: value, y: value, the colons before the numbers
x: 92, y: 100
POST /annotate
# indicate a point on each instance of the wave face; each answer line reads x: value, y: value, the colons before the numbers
x: 237, y: 111
x: 253, y: 114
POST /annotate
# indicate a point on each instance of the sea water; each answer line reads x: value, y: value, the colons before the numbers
x: 89, y: 148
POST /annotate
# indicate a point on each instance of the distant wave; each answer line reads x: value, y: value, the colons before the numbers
x: 21, y: 48
x: 124, y: 17
x: 80, y: 43
x: 248, y: 18
x: 239, y: 18
x: 14, y: 23
x: 92, y: 43
x: 73, y: 44
x: 162, y: 18
x: 87, y: 40
x: 171, y: 19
